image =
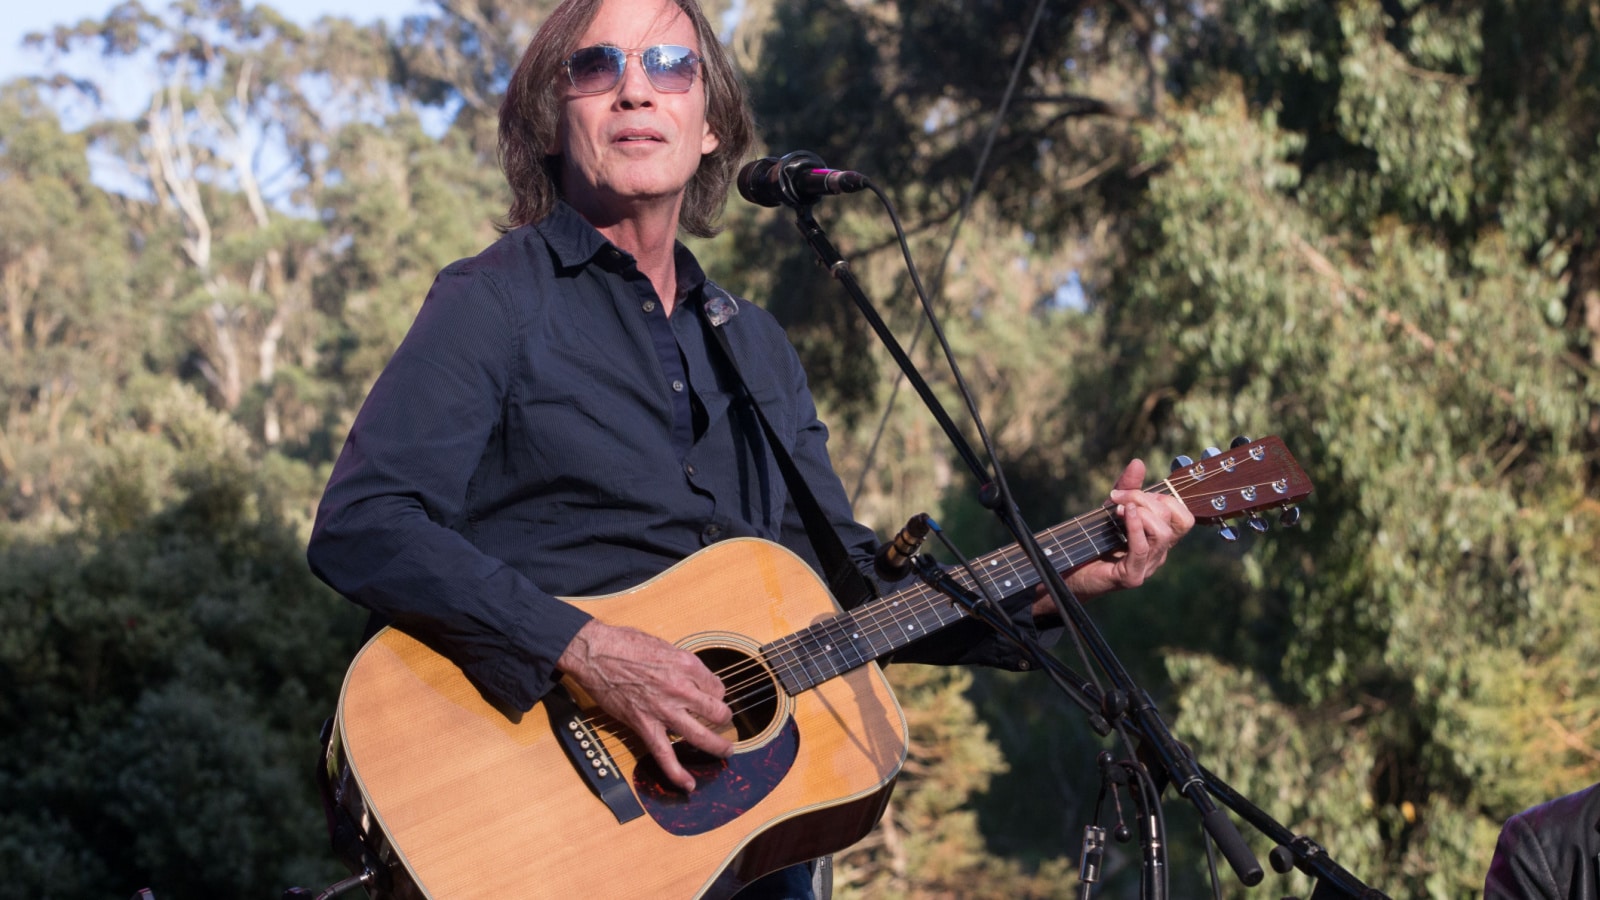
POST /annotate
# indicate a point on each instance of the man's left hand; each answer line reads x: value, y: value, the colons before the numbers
x: 1153, y: 524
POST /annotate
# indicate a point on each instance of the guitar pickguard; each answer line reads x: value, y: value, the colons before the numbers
x: 725, y: 788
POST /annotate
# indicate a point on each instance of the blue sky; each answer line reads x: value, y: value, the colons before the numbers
x: 128, y: 83
x: 23, y: 16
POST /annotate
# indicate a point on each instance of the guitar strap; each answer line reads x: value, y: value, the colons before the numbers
x: 849, y: 586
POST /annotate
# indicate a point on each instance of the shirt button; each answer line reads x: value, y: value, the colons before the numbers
x: 649, y: 306
x: 677, y: 386
x: 688, y: 469
x: 710, y: 535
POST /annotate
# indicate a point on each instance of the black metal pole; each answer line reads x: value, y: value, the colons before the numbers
x: 1180, y: 766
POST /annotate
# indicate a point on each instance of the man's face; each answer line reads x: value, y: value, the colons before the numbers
x: 632, y: 146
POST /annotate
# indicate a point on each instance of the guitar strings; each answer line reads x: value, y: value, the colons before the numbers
x: 870, y: 614
x: 752, y: 691
x: 756, y: 686
x: 760, y: 688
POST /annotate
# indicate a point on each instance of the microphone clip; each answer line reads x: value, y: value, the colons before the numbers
x: 798, y: 179
x: 893, y: 560
x: 791, y: 164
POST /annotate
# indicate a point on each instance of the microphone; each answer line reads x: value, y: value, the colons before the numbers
x: 798, y: 179
x: 892, y: 562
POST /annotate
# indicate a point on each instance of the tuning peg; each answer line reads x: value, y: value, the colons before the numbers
x: 1290, y: 517
x: 1181, y: 462
x: 1238, y: 442
x: 1227, y: 533
x: 1210, y: 452
x: 1257, y: 523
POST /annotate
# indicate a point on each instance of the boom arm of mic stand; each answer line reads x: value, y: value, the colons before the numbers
x: 1333, y: 880
x: 1078, y: 689
x: 1180, y: 766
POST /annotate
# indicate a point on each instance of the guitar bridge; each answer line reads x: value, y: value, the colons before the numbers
x: 589, y: 755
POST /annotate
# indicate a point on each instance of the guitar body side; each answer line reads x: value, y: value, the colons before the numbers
x: 476, y: 804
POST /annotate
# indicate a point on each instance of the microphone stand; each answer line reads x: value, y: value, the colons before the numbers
x: 1125, y: 701
x: 1292, y: 851
x: 1141, y: 787
x: 1078, y: 689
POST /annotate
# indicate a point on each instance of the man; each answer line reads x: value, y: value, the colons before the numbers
x: 1549, y: 852
x: 558, y: 423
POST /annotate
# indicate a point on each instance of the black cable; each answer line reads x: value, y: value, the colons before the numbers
x: 1003, y: 492
x: 955, y: 231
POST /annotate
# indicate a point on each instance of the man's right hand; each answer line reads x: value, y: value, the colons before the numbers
x: 655, y: 689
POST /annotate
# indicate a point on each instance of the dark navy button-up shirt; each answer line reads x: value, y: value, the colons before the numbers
x: 546, y: 430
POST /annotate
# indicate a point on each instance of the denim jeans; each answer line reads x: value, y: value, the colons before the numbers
x: 793, y: 883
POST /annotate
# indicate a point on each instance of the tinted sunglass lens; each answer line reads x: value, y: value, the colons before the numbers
x: 594, y: 69
x: 670, y: 68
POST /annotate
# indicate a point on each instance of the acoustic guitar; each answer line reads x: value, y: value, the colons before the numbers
x: 453, y: 798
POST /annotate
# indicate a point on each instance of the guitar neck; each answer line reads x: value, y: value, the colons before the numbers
x: 1249, y: 478
x: 834, y: 646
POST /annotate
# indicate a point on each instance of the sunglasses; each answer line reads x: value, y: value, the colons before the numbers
x: 597, y: 69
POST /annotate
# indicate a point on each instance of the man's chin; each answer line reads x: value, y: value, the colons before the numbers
x: 610, y: 204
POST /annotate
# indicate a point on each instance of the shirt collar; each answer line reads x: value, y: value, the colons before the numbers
x: 691, y: 278
x: 573, y: 240
x: 576, y: 243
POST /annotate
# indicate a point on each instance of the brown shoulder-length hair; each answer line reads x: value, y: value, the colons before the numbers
x: 530, y: 115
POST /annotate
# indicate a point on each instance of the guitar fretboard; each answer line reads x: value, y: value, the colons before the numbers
x: 834, y: 646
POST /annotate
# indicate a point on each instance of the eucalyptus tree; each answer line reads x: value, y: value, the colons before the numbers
x: 240, y: 175
x: 1372, y: 230
x: 1367, y: 226
x: 72, y: 326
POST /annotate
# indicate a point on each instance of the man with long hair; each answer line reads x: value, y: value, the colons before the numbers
x: 557, y: 422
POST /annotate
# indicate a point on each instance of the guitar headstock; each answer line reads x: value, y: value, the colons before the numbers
x: 1247, y: 479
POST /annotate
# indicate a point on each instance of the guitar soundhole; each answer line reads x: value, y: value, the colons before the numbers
x: 766, y: 744
x: 751, y: 691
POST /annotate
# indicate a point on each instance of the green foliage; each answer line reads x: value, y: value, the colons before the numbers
x: 928, y: 843
x: 70, y: 326
x: 168, y: 663
x: 407, y: 204
x: 1401, y: 340
x: 1367, y: 226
